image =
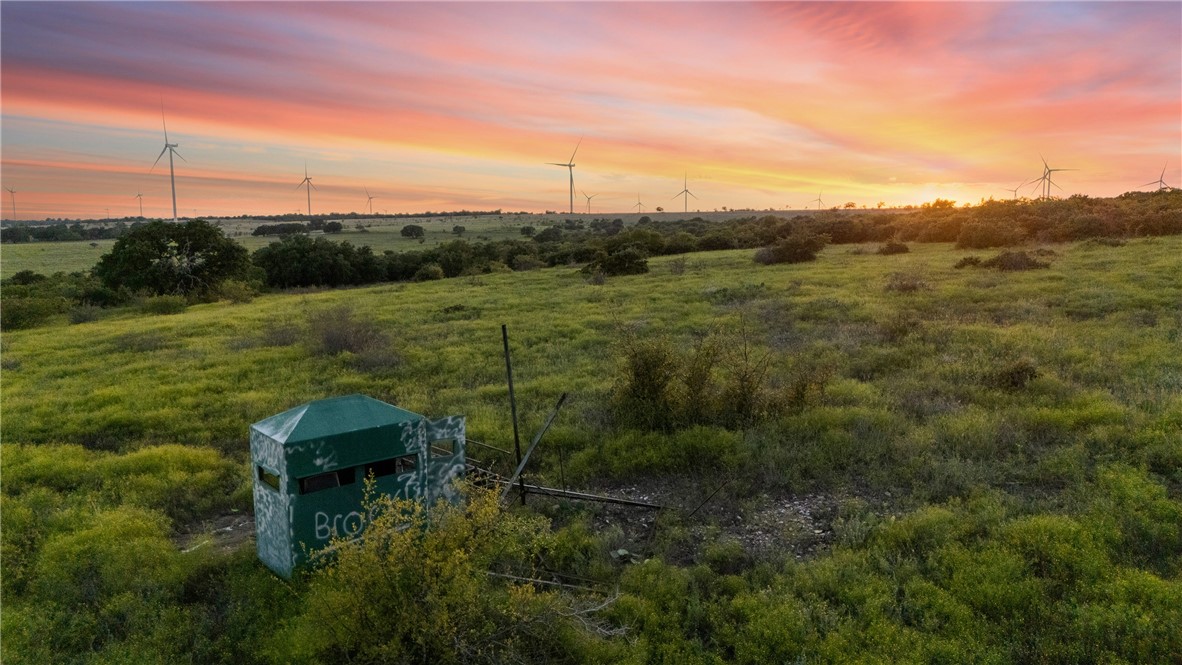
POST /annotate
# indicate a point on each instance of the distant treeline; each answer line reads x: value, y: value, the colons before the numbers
x: 288, y: 217
x: 290, y: 228
x: 63, y: 232
x: 302, y: 261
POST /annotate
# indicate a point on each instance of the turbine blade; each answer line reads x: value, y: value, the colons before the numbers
x: 556, y: 164
x: 179, y: 155
x: 313, y: 186
x: 572, y: 155
x: 162, y: 119
x: 158, y: 159
x: 691, y: 193
x: 1150, y: 183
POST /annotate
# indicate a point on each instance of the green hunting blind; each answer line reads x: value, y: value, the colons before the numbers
x: 310, y: 464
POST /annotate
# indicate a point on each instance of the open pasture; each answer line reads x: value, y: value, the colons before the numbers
x: 969, y: 418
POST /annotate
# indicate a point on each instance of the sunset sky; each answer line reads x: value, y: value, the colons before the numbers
x: 448, y: 106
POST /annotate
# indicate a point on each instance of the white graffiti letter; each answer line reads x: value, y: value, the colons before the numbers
x: 323, y: 532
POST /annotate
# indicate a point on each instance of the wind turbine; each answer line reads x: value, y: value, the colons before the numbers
x: 639, y: 205
x: 307, y: 181
x: 1160, y: 182
x: 571, y: 166
x: 140, y: 196
x: 368, y: 202
x: 818, y: 200
x: 13, y: 193
x: 170, y: 148
x: 1045, y: 180
x: 685, y: 191
x: 588, y: 200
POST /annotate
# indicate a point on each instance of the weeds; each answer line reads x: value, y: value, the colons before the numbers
x: 338, y: 330
x: 900, y: 282
x: 1008, y: 261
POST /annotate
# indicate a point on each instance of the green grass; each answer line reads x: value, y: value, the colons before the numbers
x: 48, y: 258
x: 1012, y: 418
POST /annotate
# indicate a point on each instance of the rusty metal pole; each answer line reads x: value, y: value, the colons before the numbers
x: 512, y: 403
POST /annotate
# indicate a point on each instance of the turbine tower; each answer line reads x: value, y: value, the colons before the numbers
x: 639, y: 206
x: 1160, y: 182
x: 570, y: 165
x: 170, y: 148
x: 12, y: 192
x: 369, y: 200
x: 307, y: 181
x: 140, y: 196
x: 685, y: 192
x: 588, y: 200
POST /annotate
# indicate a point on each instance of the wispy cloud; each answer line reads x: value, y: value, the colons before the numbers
x: 465, y: 101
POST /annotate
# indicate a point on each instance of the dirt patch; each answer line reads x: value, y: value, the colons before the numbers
x: 767, y: 526
x: 225, y: 533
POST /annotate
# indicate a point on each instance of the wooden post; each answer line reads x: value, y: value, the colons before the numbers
x: 512, y: 403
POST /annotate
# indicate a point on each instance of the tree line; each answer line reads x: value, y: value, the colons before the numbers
x: 195, y: 260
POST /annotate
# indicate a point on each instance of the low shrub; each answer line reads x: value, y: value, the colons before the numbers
x: 523, y: 262
x: 1014, y: 375
x: 967, y: 262
x: 84, y: 314
x: 893, y: 247
x: 796, y: 248
x: 236, y: 291
x: 626, y: 261
x: 429, y: 272
x: 18, y: 313
x: 1009, y: 261
x: 280, y: 334
x: 905, y: 283
x: 164, y: 305
x: 338, y: 330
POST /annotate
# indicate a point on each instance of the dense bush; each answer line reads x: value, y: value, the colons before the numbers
x: 982, y: 235
x: 18, y: 313
x: 412, y: 231
x: 281, y: 229
x: 893, y: 247
x: 797, y: 248
x: 303, y: 261
x: 627, y: 261
x: 181, y: 259
x: 421, y: 588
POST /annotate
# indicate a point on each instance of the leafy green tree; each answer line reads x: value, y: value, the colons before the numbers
x: 412, y: 231
x: 182, y: 259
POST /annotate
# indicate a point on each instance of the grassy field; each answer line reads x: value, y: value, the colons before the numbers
x: 957, y: 464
